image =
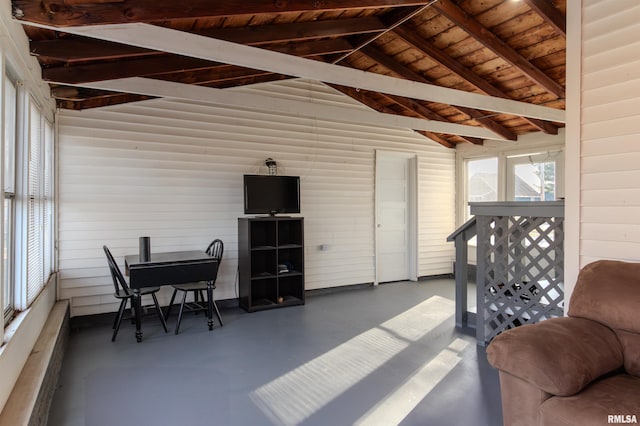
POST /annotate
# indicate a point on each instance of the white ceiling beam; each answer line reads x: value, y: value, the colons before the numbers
x: 187, y: 44
x: 227, y: 97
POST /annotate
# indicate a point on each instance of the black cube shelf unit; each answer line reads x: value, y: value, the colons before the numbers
x: 271, y: 262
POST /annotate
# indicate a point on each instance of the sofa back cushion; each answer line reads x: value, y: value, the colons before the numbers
x: 608, y: 292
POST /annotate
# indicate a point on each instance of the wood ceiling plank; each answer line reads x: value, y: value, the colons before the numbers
x: 499, y: 47
x: 542, y: 33
x: 392, y: 20
x: 422, y: 111
x: 131, y: 68
x: 219, y: 74
x: 407, y: 73
x: 366, y: 99
x: 260, y: 34
x: 97, y: 102
x: 61, y: 13
x: 84, y: 49
x: 550, y: 14
x: 312, y: 47
x: 496, y: 14
x: 518, y: 25
x: 409, y: 35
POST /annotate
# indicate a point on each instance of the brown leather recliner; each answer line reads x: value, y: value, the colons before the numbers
x: 583, y: 369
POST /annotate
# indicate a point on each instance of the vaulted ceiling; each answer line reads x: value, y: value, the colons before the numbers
x: 505, y: 49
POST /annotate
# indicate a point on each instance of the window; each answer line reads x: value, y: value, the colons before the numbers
x: 481, y: 181
x: 533, y: 177
x: 10, y: 132
x: 28, y: 239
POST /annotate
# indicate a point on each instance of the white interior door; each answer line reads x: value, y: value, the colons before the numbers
x: 395, y: 195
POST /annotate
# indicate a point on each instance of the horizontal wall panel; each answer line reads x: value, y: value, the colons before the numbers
x: 611, y: 128
x: 610, y: 197
x: 613, y: 162
x: 611, y: 180
x: 172, y: 170
x: 611, y: 76
x: 614, y: 216
x: 618, y: 54
x: 614, y: 103
x: 610, y: 145
x: 604, y: 249
x: 611, y: 232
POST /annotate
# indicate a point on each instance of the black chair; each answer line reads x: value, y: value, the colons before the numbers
x: 124, y: 293
x: 215, y: 249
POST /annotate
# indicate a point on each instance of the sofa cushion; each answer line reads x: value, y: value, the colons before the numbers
x: 560, y: 355
x: 630, y: 343
x: 613, y: 396
x: 608, y: 292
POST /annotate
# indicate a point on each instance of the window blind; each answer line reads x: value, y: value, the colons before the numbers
x: 35, y: 230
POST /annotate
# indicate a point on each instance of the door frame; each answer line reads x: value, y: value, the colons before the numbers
x: 412, y: 210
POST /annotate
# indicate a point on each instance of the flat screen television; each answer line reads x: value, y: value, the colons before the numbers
x: 267, y: 194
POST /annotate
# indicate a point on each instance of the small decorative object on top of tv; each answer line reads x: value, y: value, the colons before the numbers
x: 265, y: 194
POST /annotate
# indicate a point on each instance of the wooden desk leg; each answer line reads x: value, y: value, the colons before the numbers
x: 138, y: 313
x: 210, y: 304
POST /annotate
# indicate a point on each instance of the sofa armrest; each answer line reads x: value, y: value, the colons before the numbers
x: 559, y: 356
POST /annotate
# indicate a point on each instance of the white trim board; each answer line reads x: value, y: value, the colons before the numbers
x: 193, y: 45
x: 209, y: 95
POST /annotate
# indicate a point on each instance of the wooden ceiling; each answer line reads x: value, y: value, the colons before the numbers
x: 509, y: 49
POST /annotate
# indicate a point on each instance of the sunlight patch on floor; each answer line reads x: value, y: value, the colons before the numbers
x: 398, y: 404
x: 296, y: 395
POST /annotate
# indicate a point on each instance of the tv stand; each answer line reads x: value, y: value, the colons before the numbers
x: 265, y: 246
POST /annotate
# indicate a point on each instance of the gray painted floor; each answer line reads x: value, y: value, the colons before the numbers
x: 379, y: 355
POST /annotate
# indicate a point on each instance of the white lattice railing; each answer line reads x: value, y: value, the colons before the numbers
x: 520, y: 265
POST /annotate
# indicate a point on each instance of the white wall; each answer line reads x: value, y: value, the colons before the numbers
x: 603, y: 149
x: 173, y: 170
x: 610, y: 213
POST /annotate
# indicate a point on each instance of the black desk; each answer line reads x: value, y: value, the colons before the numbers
x: 178, y: 267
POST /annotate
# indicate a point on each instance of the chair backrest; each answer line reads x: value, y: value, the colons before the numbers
x: 215, y: 249
x: 119, y: 283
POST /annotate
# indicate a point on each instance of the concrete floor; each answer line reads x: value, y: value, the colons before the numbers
x: 379, y: 355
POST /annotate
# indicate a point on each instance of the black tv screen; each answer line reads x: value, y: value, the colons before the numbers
x: 266, y: 194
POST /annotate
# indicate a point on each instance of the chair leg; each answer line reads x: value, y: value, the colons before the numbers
x: 217, y: 313
x: 121, y: 308
x: 184, y: 298
x: 116, y: 324
x: 132, y: 318
x: 173, y: 296
x: 195, y: 301
x: 160, y: 314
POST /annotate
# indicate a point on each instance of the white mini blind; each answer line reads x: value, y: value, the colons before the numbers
x: 35, y: 229
x: 48, y: 204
